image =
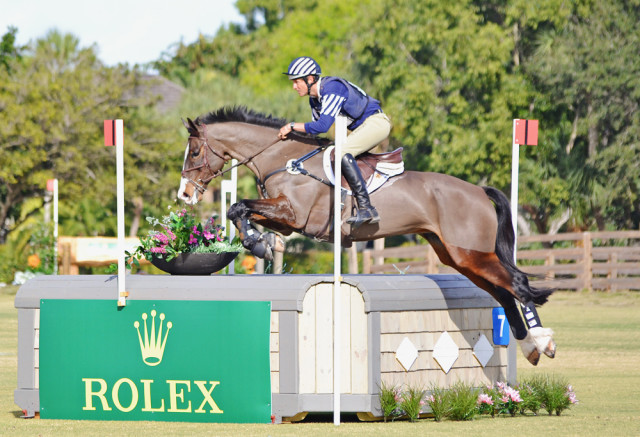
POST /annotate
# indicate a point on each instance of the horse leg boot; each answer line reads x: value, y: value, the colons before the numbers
x: 365, y: 212
x: 541, y: 337
x: 259, y: 244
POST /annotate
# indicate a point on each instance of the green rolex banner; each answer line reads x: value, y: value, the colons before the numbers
x: 192, y: 361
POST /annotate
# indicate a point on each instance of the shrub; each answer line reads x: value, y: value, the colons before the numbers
x: 389, y: 397
x: 411, y: 402
x: 462, y: 400
x: 556, y: 395
x: 438, y: 403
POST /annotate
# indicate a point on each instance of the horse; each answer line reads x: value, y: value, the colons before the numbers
x: 468, y: 226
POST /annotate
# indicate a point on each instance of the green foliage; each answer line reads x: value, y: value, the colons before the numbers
x: 438, y: 402
x: 553, y: 393
x: 9, y: 53
x: 452, y: 76
x: 462, y: 399
x: 51, y: 113
x: 389, y: 397
x: 411, y: 402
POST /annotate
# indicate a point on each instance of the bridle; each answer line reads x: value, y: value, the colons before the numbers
x: 201, y: 183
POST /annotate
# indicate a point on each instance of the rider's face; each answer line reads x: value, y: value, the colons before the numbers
x: 300, y: 87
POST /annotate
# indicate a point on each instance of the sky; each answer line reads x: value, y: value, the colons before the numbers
x: 124, y: 31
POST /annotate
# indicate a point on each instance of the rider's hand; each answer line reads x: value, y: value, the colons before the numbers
x: 285, y: 130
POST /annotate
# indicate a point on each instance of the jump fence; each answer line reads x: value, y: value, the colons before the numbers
x: 572, y: 261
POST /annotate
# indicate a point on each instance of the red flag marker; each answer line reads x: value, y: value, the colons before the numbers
x: 526, y: 132
x: 109, y: 132
x: 50, y: 184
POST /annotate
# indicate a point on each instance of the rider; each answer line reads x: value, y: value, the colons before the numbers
x: 328, y: 97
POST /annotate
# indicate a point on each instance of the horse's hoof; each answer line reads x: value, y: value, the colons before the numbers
x: 278, y: 244
x: 534, y: 357
x: 543, y: 339
x: 550, y: 350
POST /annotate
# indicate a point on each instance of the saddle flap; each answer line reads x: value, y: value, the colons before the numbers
x: 389, y: 163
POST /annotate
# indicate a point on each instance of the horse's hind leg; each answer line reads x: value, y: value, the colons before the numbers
x: 487, y: 272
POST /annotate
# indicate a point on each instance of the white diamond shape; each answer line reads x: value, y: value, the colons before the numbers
x: 406, y: 354
x: 445, y: 352
x: 483, y: 350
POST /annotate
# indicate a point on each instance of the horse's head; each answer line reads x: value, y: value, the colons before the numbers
x: 202, y: 163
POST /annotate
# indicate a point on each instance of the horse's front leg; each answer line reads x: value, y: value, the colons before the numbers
x: 276, y: 212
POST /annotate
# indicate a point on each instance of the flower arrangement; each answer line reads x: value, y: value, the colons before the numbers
x: 464, y: 402
x: 181, y: 232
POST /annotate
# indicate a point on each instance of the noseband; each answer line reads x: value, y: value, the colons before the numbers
x: 200, y: 187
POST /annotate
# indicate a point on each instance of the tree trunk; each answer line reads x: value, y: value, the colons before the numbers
x: 138, y: 203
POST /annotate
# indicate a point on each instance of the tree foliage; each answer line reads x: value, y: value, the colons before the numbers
x: 452, y: 76
x: 52, y: 108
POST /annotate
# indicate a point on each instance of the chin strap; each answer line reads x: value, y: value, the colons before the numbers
x: 309, y: 85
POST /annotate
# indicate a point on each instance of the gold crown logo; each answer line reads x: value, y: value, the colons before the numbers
x: 152, y: 348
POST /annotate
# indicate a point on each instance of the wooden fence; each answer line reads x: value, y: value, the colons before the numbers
x: 573, y: 261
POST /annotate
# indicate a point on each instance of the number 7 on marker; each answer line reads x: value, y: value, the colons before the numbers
x: 500, y: 327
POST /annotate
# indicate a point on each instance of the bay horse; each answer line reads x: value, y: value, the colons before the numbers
x: 468, y: 226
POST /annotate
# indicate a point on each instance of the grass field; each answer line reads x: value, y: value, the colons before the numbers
x: 598, y: 338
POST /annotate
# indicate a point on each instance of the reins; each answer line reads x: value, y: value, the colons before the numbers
x: 200, y: 187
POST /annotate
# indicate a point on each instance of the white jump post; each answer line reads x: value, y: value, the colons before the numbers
x: 525, y: 132
x: 341, y: 136
x: 114, y: 136
x: 229, y: 186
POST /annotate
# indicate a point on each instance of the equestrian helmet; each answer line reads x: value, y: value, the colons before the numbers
x: 303, y: 66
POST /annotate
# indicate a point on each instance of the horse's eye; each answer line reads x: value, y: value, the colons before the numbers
x: 195, y: 152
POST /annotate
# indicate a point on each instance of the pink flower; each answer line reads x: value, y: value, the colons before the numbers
x: 192, y: 239
x: 484, y: 398
x: 511, y: 394
x: 571, y: 395
x: 430, y: 398
x: 209, y: 235
x: 161, y: 238
x: 195, y: 230
x: 158, y: 250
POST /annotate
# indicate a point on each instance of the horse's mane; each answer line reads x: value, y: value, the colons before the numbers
x: 243, y: 114
x: 240, y: 114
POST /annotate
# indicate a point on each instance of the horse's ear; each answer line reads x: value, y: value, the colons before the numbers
x: 191, y: 127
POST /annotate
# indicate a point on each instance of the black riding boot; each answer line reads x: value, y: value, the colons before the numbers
x: 365, y: 213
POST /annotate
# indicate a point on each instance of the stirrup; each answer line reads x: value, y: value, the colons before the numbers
x: 364, y: 216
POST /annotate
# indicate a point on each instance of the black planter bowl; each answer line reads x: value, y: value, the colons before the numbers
x: 195, y: 263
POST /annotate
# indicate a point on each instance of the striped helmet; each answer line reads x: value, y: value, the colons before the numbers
x: 303, y: 67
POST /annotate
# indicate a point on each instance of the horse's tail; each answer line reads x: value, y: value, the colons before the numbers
x: 505, y: 240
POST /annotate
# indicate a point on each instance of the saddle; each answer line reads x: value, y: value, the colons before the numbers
x: 376, y: 168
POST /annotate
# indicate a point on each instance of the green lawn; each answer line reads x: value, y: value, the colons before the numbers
x: 598, y: 337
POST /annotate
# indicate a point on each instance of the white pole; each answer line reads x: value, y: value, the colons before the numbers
x: 55, y: 226
x: 231, y: 187
x: 119, y: 140
x: 515, y: 162
x: 341, y: 136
